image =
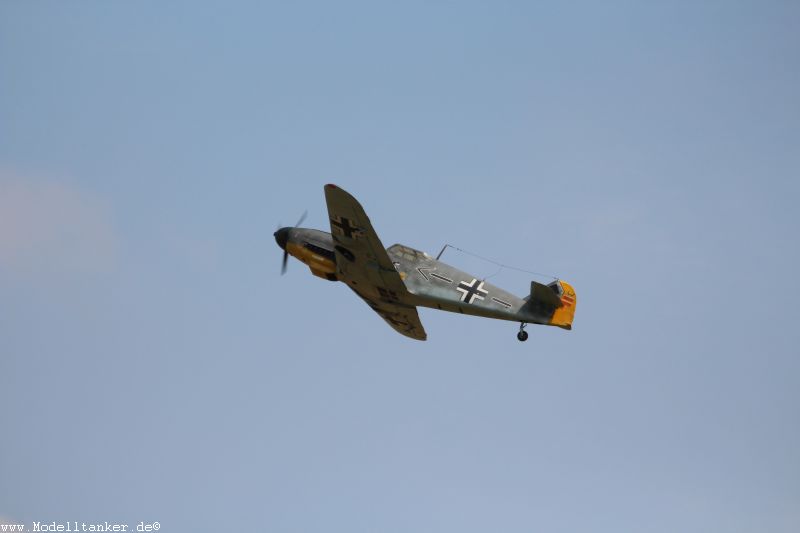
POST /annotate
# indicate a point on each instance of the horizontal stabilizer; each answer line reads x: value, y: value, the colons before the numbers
x: 545, y: 295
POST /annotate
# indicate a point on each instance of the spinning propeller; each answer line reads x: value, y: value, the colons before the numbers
x: 282, y: 238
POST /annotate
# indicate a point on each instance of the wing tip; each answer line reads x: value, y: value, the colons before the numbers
x: 337, y: 191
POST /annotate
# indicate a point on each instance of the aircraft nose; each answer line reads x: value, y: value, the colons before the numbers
x: 282, y: 237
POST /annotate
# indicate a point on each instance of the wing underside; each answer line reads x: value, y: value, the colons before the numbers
x: 364, y: 265
x: 404, y: 319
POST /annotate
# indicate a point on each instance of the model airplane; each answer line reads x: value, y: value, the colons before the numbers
x: 396, y: 280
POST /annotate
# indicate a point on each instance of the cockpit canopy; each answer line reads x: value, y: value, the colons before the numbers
x: 407, y: 253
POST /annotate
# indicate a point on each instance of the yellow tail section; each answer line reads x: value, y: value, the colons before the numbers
x: 564, y: 315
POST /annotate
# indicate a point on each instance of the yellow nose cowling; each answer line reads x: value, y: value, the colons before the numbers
x: 320, y: 266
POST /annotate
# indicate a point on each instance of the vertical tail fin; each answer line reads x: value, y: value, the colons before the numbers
x: 565, y: 313
x: 555, y: 300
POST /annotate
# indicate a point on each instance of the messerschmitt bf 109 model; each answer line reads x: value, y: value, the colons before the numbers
x: 395, y: 280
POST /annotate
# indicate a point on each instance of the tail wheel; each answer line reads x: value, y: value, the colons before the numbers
x: 522, y: 336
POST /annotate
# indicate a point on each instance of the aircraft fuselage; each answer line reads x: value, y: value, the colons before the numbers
x: 434, y: 284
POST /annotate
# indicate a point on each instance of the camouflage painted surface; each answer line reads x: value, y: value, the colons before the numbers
x: 394, y: 281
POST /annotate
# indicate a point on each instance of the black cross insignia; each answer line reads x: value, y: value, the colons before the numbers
x: 388, y: 295
x: 345, y: 227
x: 470, y: 291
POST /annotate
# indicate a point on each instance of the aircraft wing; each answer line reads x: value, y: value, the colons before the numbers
x: 403, y: 318
x: 363, y: 264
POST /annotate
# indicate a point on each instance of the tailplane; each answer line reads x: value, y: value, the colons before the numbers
x: 556, y: 299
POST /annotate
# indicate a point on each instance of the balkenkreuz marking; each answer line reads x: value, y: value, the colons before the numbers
x: 346, y: 227
x: 388, y: 295
x: 470, y: 291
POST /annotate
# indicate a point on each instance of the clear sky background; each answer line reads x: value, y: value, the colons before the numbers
x: 155, y: 366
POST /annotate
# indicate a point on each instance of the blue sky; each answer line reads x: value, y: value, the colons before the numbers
x: 155, y: 366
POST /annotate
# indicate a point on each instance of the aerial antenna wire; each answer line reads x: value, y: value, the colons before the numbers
x: 501, y: 265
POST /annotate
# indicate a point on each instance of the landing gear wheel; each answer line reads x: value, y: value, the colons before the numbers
x: 522, y: 336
